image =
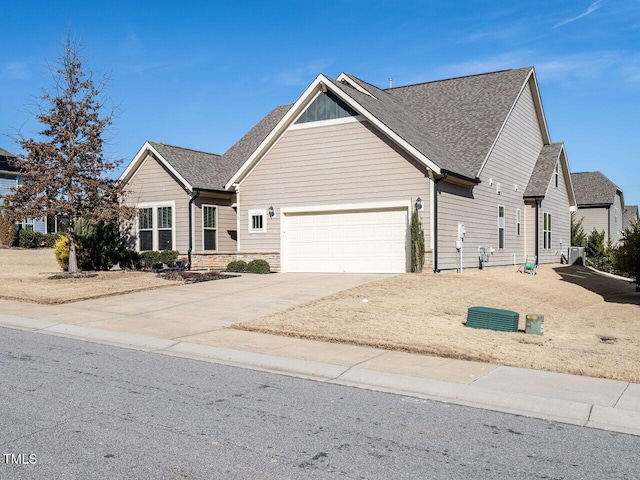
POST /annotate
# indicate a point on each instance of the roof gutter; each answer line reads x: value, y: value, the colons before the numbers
x: 191, y: 200
x: 464, y: 178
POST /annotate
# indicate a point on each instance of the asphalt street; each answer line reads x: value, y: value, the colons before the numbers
x: 72, y: 409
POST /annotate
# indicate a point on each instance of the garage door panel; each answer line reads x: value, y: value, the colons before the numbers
x: 372, y: 241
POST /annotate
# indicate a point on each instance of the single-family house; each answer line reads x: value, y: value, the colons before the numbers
x: 600, y: 204
x: 328, y: 183
x: 9, y: 179
x: 629, y: 215
x: 8, y: 174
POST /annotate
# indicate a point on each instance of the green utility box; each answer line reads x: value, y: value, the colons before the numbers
x: 493, y: 319
x: 535, y: 324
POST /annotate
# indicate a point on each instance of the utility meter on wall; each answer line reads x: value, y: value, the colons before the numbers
x: 462, y: 230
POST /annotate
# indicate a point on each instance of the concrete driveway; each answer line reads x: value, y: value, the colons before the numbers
x: 186, y: 310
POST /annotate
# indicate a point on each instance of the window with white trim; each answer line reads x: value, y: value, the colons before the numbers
x: 165, y: 228
x: 518, y: 221
x: 556, y: 175
x: 547, y: 231
x: 145, y: 228
x: 326, y: 106
x: 57, y: 223
x: 155, y: 227
x: 257, y: 221
x: 500, y: 226
x: 210, y: 227
x: 27, y: 224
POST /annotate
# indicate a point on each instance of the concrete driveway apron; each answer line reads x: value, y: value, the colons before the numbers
x: 187, y: 310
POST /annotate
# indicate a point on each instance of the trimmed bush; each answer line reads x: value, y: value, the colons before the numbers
x: 30, y: 239
x: 130, y: 260
x: 50, y: 239
x: 258, y: 266
x: 152, y: 260
x: 169, y: 257
x: 237, y: 266
x: 101, y: 244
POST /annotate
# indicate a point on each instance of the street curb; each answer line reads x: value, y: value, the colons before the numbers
x: 260, y: 361
x: 565, y: 411
x: 616, y: 419
x: 528, y: 405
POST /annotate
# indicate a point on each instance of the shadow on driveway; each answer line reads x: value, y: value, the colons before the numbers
x: 611, y: 289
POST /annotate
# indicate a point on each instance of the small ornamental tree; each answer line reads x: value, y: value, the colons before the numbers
x: 417, y: 242
x: 64, y: 172
x: 594, y: 247
x: 627, y: 256
x: 578, y: 236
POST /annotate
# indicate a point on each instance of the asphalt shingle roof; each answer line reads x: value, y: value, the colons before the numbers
x: 542, y: 172
x: 593, y: 188
x: 199, y: 169
x: 451, y: 122
x: 464, y: 113
x: 4, y: 161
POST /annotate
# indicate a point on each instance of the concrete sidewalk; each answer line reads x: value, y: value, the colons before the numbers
x: 192, y: 320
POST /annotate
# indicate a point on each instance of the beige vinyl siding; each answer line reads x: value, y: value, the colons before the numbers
x: 327, y: 165
x: 510, y: 164
x: 597, y: 217
x: 226, y: 222
x: 529, y: 213
x: 556, y: 202
x: 152, y: 183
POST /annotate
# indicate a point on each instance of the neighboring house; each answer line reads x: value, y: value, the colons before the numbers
x: 8, y: 174
x: 9, y: 178
x: 600, y: 204
x: 328, y: 183
x: 629, y: 215
x: 182, y: 204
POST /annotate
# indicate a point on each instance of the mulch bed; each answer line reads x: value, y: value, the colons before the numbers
x: 65, y: 276
x: 187, y: 276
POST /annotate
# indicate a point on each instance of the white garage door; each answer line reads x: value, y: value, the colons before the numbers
x: 371, y: 241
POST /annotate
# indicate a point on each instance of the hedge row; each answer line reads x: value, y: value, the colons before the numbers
x: 254, y: 266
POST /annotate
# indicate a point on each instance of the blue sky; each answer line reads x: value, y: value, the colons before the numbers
x: 199, y: 74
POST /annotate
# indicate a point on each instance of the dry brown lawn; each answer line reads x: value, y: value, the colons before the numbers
x: 591, y: 321
x: 25, y: 275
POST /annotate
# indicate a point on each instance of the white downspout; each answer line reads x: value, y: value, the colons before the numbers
x: 236, y: 187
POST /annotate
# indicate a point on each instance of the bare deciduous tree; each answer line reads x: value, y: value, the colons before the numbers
x: 65, y: 171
